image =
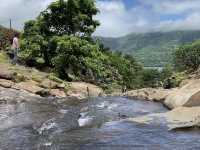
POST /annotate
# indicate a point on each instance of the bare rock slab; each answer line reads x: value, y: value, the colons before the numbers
x: 48, y: 84
x: 84, y: 90
x: 6, y: 83
x: 5, y: 74
x: 58, y: 93
x: 149, y: 94
x: 29, y: 86
x: 187, y: 95
x: 178, y: 118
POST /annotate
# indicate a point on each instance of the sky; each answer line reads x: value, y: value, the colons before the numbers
x: 117, y: 17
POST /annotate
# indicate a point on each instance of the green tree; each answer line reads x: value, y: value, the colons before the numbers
x: 34, y: 45
x: 71, y: 53
x: 150, y: 78
x: 187, y: 57
x: 72, y: 17
x: 166, y: 72
x: 61, y: 37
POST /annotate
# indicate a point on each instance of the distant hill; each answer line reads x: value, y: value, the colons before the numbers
x: 152, y: 49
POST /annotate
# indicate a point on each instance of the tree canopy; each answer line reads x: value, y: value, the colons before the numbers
x: 187, y: 57
x: 72, y: 17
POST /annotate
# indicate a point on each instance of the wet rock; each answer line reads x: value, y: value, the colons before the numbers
x: 8, y: 95
x: 84, y: 109
x: 187, y: 95
x: 178, y: 118
x: 39, y: 115
x: 122, y: 116
x: 6, y: 83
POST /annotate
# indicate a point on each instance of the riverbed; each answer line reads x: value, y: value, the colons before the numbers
x: 96, y: 123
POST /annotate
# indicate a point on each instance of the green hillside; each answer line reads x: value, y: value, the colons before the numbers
x: 152, y: 49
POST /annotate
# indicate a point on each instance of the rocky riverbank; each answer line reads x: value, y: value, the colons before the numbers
x: 23, y: 81
x: 184, y: 103
x: 19, y: 84
x: 187, y: 95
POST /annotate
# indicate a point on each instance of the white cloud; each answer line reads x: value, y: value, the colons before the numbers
x: 112, y: 16
x: 148, y: 16
x: 172, y: 6
x: 191, y: 22
x: 116, y: 19
x: 20, y: 11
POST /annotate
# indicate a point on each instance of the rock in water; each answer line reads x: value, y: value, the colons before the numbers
x: 178, y: 118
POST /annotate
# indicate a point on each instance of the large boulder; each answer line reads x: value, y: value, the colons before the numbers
x: 30, y: 86
x: 6, y: 83
x: 84, y: 90
x: 58, y: 93
x: 5, y: 73
x: 182, y: 117
x: 149, y: 94
x: 8, y: 95
x: 48, y: 84
x: 187, y: 95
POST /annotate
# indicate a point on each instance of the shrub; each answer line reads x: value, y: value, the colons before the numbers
x: 151, y: 78
x: 187, y: 57
x: 174, y: 81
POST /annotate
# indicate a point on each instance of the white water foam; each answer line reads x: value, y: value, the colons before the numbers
x: 49, y: 124
x: 86, y: 121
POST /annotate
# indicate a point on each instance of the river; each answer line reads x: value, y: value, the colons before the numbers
x: 93, y: 124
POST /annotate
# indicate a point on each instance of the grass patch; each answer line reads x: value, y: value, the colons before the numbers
x: 37, y: 78
x: 3, y: 58
x: 54, y: 78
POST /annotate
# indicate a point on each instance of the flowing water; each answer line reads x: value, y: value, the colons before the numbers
x: 94, y: 124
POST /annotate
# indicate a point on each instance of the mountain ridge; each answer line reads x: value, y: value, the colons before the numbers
x: 153, y: 49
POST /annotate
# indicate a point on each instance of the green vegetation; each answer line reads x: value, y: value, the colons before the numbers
x: 72, y: 18
x: 60, y: 38
x: 152, y: 49
x: 3, y: 58
x: 187, y: 57
x: 186, y: 60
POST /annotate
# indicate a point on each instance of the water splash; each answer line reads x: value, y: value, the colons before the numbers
x: 46, y: 126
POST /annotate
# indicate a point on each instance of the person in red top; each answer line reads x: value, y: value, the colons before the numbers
x: 15, y: 47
